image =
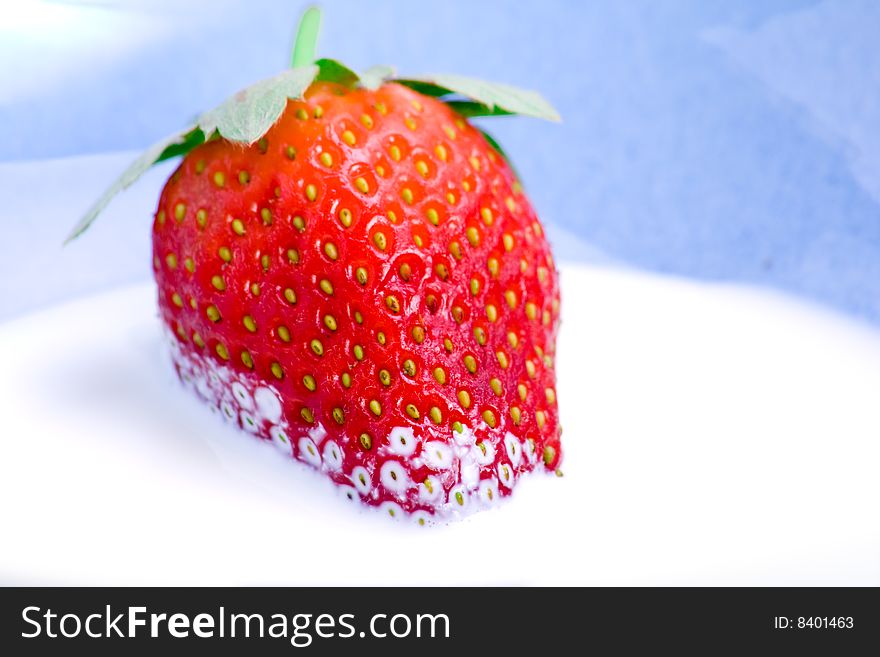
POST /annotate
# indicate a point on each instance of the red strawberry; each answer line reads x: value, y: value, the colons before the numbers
x: 368, y: 287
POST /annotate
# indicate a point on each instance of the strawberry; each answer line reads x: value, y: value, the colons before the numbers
x: 365, y: 285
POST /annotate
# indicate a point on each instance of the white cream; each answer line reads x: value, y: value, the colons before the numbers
x: 361, y: 480
x: 308, y: 452
x: 437, y: 455
x: 268, y: 404
x: 402, y: 441
x: 394, y: 478
x: 332, y: 456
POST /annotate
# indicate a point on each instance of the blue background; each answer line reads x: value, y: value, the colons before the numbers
x: 732, y: 141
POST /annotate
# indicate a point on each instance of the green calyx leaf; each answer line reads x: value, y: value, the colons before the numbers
x: 249, y: 114
x: 375, y: 76
x: 329, y: 70
x: 469, y: 109
x: 494, y: 144
x: 134, y: 171
x: 492, y: 95
x: 243, y: 118
x: 306, y: 44
x: 424, y: 88
x: 190, y: 140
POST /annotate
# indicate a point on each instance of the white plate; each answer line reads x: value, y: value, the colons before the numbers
x: 713, y: 436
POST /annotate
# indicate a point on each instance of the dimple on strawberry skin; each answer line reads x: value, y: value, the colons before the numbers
x: 348, y: 268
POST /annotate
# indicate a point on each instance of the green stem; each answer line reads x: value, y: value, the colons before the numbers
x: 305, y: 47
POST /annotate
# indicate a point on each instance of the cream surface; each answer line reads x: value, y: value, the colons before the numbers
x: 713, y: 435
